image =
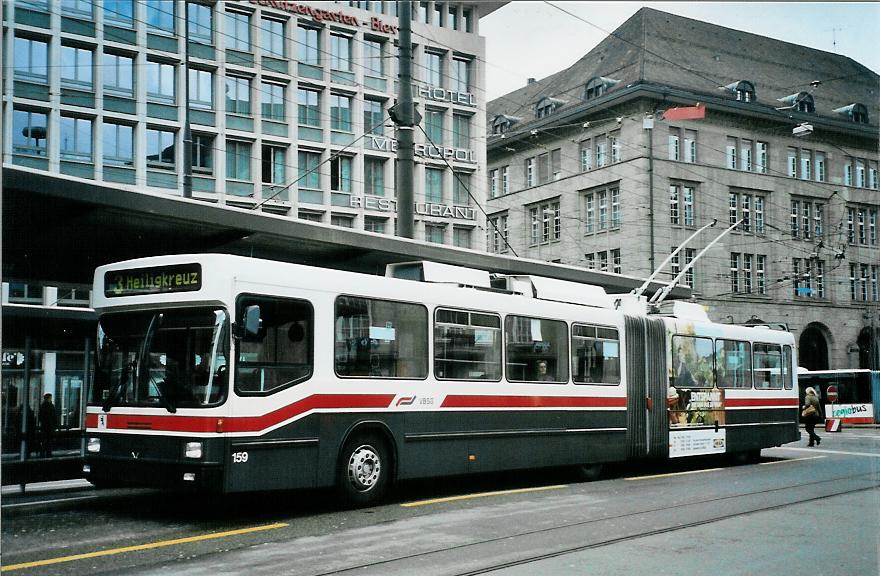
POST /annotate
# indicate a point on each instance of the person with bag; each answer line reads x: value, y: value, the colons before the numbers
x: 812, y: 415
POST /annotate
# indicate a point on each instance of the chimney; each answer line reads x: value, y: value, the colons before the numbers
x: 530, y: 81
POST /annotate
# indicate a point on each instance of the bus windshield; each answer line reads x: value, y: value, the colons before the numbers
x: 162, y: 358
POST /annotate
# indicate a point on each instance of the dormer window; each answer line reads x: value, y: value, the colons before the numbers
x: 800, y: 102
x: 547, y: 106
x: 598, y: 86
x: 855, y: 112
x: 744, y: 90
x: 502, y: 123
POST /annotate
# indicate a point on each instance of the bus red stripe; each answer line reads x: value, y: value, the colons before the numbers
x: 533, y: 402
x: 759, y: 402
x: 208, y: 424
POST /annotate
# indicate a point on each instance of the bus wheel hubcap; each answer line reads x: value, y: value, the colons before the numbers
x: 364, y: 468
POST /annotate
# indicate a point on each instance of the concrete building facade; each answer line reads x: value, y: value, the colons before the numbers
x: 671, y: 123
x: 287, y: 106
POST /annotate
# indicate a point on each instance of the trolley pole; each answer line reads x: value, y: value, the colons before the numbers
x: 403, y: 114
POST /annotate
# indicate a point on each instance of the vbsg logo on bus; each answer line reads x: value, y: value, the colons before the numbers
x: 157, y: 280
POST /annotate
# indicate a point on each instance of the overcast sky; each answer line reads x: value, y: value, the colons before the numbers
x: 533, y: 39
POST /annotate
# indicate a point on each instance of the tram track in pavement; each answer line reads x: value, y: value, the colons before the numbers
x: 433, y: 557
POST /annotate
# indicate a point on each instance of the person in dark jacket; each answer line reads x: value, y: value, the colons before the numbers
x: 810, y: 421
x: 48, y: 423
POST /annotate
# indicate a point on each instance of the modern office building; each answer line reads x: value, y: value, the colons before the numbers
x: 287, y: 106
x: 671, y: 123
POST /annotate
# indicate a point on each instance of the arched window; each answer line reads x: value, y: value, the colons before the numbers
x: 800, y: 102
x: 855, y: 112
x: 597, y: 86
x: 744, y: 90
x: 547, y: 106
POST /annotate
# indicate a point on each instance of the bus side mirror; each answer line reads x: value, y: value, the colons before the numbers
x: 249, y: 329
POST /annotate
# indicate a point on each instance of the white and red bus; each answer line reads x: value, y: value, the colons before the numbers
x: 235, y: 374
x: 849, y: 395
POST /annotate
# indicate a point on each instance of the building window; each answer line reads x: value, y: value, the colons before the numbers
x: 674, y: 143
x: 374, y: 176
x: 76, y: 139
x: 160, y: 81
x: 530, y: 172
x: 76, y: 66
x: 762, y: 161
x: 372, y: 54
x: 308, y: 176
x: 238, y: 160
x: 201, y: 22
x: 340, y: 174
x: 308, y: 46
x: 238, y: 31
x: 342, y: 220
x: 309, y: 107
x: 201, y: 89
x: 505, y: 179
x: 603, y: 260
x: 160, y: 15
x: 601, y: 148
x: 160, y: 148
x: 674, y: 204
x: 461, y: 75
x: 820, y: 167
x: 433, y: 185
x: 675, y: 265
x: 373, y: 224
x: 238, y: 95
x: 851, y: 225
x: 118, y: 72
x: 273, y: 102
x: 863, y: 236
x: 745, y: 155
x: 861, y: 180
x: 586, y: 155
x: 203, y: 153
x: 118, y: 142
x: 434, y: 69
x: 731, y: 153
x: 688, y: 200
x: 273, y: 165
x: 340, y: 113
x: 734, y: 272
x: 848, y: 172
x: 615, y: 262
x: 546, y: 222
x: 603, y: 209
x: 119, y: 12
x: 589, y: 213
x: 30, y: 59
x: 493, y: 183
x: 434, y: 126
x: 872, y: 226
x: 434, y: 233
x: 309, y: 216
x: 461, y: 185
x: 340, y: 53
x: 272, y: 37
x: 806, y: 170
x: 461, y: 237
x: 498, y: 233
x: 461, y: 131
x: 29, y: 132
x: 761, y: 272
x: 615, y: 207
x: 374, y: 117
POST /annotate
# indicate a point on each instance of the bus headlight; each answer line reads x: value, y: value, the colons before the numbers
x: 193, y: 450
x: 94, y: 445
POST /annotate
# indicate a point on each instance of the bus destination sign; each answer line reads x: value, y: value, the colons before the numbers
x: 156, y: 280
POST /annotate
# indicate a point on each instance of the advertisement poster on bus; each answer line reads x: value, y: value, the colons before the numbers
x: 693, y: 400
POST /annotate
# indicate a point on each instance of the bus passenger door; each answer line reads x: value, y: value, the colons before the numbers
x: 647, y: 424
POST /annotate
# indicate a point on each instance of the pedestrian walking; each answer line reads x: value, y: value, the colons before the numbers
x: 812, y: 415
x: 48, y: 423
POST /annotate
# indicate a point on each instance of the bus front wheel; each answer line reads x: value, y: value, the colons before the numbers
x: 364, y: 470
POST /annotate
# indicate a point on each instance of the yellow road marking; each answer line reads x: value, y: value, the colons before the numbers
x: 791, y: 460
x: 149, y: 546
x: 481, y: 495
x: 672, y: 474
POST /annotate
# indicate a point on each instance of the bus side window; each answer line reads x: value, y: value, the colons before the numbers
x: 282, y: 353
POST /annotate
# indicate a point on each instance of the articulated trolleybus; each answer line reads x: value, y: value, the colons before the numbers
x: 235, y: 374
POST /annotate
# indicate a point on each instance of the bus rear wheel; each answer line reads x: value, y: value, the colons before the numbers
x: 364, y: 470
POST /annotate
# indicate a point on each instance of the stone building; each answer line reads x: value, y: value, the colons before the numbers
x: 671, y: 123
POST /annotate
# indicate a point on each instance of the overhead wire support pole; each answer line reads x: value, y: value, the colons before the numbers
x: 637, y: 292
x: 403, y: 114
x: 658, y: 297
x: 187, y: 131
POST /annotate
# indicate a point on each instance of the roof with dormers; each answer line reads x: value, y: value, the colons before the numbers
x: 662, y: 49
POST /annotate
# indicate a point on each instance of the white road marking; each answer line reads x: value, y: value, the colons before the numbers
x: 841, y: 452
